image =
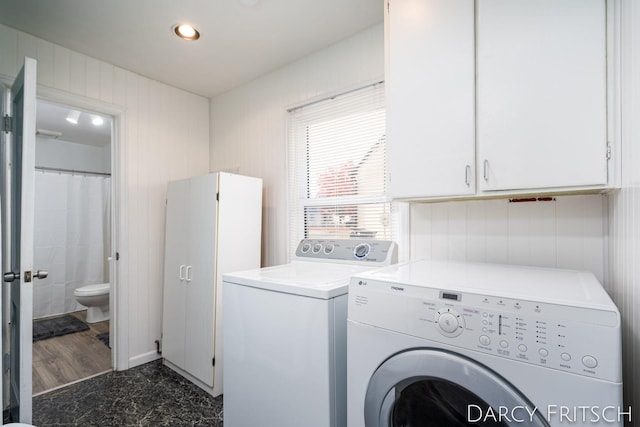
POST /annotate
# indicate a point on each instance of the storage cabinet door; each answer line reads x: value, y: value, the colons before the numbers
x: 541, y: 94
x: 175, y: 270
x: 430, y: 98
x: 200, y: 282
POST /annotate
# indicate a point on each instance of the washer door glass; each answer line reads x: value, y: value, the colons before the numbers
x: 435, y: 402
x: 429, y: 387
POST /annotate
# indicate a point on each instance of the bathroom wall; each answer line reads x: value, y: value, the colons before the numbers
x: 56, y: 153
x: 72, y: 222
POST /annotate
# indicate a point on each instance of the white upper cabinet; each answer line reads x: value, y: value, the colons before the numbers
x: 496, y: 97
x: 430, y: 98
x: 541, y: 94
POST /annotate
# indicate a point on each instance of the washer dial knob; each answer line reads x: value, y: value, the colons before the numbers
x: 449, y: 322
x: 362, y: 250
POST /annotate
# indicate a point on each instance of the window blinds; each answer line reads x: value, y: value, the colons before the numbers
x: 337, y: 168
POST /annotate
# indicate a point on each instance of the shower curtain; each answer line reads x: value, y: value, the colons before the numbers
x: 71, y: 238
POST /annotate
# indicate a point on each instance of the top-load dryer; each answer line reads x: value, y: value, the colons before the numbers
x: 471, y: 344
x: 285, y: 335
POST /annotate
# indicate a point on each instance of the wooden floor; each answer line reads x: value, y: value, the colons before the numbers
x: 69, y: 358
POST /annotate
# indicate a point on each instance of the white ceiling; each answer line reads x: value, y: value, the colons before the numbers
x: 240, y: 39
x: 53, y: 118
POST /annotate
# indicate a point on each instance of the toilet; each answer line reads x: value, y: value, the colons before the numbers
x: 96, y: 299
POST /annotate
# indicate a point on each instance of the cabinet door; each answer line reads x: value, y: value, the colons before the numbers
x: 430, y: 98
x: 541, y: 94
x: 176, y: 262
x: 200, y: 282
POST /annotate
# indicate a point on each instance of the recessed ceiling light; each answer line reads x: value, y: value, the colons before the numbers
x: 73, y: 117
x: 97, y: 120
x: 186, y: 32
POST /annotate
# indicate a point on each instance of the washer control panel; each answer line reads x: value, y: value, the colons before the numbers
x: 379, y: 252
x: 575, y: 339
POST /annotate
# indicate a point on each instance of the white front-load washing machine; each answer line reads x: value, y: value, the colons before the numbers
x: 285, y: 332
x: 470, y: 344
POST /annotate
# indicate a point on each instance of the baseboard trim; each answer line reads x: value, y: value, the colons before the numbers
x: 141, y: 359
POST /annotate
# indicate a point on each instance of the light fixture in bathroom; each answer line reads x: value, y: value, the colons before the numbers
x: 73, y: 117
x: 97, y: 120
x: 46, y: 133
x: 186, y: 32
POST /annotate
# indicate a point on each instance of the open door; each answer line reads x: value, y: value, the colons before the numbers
x: 18, y: 205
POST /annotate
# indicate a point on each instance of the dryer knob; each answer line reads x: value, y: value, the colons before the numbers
x: 362, y: 250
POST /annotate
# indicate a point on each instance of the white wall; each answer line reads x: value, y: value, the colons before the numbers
x: 55, y: 153
x: 568, y: 232
x: 248, y: 124
x: 166, y: 137
x: 624, y: 216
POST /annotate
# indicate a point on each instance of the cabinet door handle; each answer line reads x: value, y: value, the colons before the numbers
x: 189, y: 267
x: 182, y: 272
x: 467, y: 175
x: 486, y: 170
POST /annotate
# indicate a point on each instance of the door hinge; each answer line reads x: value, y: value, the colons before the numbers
x: 217, y: 197
x: 608, y: 151
x: 7, y: 123
x: 213, y: 361
x: 117, y: 256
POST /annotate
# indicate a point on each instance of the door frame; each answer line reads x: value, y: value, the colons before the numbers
x: 118, y: 268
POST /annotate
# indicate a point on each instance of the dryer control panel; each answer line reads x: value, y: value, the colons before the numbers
x: 378, y: 252
x: 581, y: 340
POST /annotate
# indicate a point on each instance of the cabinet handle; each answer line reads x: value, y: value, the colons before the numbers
x: 182, y: 271
x: 486, y: 170
x: 467, y: 175
x: 189, y: 267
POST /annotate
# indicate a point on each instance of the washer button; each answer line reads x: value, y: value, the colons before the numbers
x: 328, y: 249
x: 484, y: 340
x: 316, y: 248
x: 522, y: 348
x: 565, y: 356
x: 589, y: 361
x: 504, y: 344
x: 543, y: 352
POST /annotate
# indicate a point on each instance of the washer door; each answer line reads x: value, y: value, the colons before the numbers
x: 429, y: 387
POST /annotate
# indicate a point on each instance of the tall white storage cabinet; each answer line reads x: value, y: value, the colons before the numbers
x: 213, y: 227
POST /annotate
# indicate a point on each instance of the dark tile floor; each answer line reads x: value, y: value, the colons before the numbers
x: 147, y: 395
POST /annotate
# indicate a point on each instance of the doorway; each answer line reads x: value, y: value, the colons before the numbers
x: 73, y: 238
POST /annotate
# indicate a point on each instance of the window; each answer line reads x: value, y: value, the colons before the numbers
x: 337, y: 167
